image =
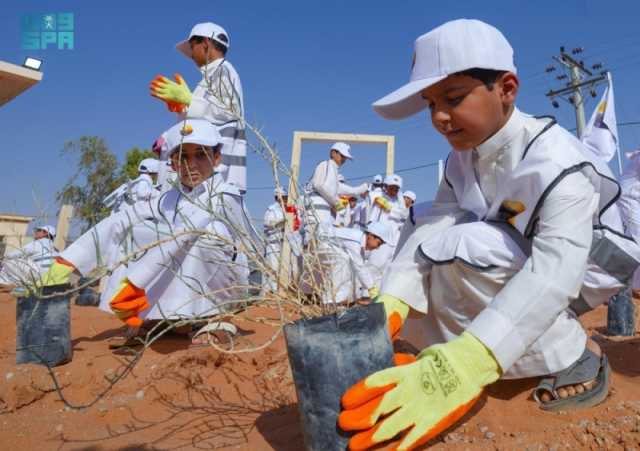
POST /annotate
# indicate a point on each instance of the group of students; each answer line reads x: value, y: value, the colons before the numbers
x: 525, y: 234
x: 356, y: 229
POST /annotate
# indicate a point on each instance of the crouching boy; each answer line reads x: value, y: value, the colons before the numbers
x: 523, y: 226
x: 197, y: 262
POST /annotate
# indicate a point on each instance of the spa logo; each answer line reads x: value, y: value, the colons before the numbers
x: 47, y: 31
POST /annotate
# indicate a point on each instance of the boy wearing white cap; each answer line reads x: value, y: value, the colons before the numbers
x: 148, y: 287
x: 409, y: 198
x: 389, y: 206
x: 349, y: 270
x: 322, y: 193
x: 218, y: 98
x: 274, y: 225
x: 520, y: 216
x: 26, y: 265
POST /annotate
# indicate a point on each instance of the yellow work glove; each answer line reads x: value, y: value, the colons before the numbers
x: 383, y: 203
x: 426, y: 397
x: 59, y: 273
x: 342, y: 204
x: 128, y: 302
x: 374, y: 292
x: 170, y: 91
x: 396, y: 311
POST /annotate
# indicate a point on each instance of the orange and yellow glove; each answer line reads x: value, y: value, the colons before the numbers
x: 58, y: 274
x: 342, y: 204
x: 422, y: 398
x: 176, y: 95
x: 396, y: 311
x: 128, y: 303
x: 382, y: 203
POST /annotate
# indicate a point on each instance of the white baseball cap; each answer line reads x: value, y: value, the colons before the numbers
x: 148, y: 166
x: 343, y: 148
x: 51, y: 230
x: 377, y: 179
x: 453, y: 47
x: 381, y: 230
x: 394, y: 180
x: 206, y: 30
x: 410, y: 194
x: 191, y: 131
x: 279, y: 191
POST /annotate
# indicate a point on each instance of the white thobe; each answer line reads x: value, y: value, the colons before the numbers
x: 26, y: 265
x: 274, y: 223
x: 513, y: 303
x: 395, y: 217
x: 218, y: 98
x: 348, y: 271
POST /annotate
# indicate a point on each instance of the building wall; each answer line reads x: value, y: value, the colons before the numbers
x: 13, y: 232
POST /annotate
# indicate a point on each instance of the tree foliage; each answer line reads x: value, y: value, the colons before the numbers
x: 132, y: 160
x: 96, y: 176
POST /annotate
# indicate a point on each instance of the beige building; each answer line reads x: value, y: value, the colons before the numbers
x: 13, y: 232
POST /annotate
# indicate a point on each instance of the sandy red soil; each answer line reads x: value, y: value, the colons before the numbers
x: 181, y: 398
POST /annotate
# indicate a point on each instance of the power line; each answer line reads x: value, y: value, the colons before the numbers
x: 360, y: 177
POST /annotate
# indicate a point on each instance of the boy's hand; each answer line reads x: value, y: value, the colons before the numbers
x: 58, y: 274
x: 171, y: 92
x: 423, y: 398
x: 396, y: 311
x: 342, y: 204
x: 383, y: 203
x: 128, y: 303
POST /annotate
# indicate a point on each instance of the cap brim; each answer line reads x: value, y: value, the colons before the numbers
x: 184, y: 48
x: 405, y: 101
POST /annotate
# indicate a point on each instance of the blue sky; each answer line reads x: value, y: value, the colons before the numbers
x: 314, y: 66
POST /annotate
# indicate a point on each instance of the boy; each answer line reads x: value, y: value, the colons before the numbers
x: 322, y: 193
x: 274, y: 223
x: 350, y: 273
x: 26, y: 265
x: 389, y: 206
x: 218, y: 98
x: 203, y: 232
x: 500, y: 256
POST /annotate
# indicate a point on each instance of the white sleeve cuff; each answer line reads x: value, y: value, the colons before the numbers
x: 497, y: 333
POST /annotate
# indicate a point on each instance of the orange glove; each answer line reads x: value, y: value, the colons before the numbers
x: 128, y: 303
x: 419, y: 399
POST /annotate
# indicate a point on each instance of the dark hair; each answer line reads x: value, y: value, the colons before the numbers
x: 218, y: 46
x: 486, y: 76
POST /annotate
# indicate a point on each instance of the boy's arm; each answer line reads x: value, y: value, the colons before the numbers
x: 325, y: 182
x: 348, y: 190
x: 551, y: 277
x: 273, y: 217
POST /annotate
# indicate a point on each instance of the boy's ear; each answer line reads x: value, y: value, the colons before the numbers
x: 509, y: 85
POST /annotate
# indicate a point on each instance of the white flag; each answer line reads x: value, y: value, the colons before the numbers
x: 601, y: 134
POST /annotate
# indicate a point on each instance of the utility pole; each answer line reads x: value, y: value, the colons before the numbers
x: 579, y: 77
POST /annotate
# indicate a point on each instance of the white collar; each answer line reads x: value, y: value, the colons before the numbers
x: 212, y: 66
x: 502, y: 137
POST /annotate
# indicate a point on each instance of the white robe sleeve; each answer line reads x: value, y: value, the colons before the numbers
x: 273, y: 217
x: 551, y: 277
x: 325, y: 182
x: 348, y: 190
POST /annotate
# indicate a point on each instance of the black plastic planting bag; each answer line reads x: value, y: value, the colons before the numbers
x: 88, y: 296
x: 44, y: 328
x: 327, y: 356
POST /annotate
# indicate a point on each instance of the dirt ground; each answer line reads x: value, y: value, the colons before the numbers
x: 180, y: 399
